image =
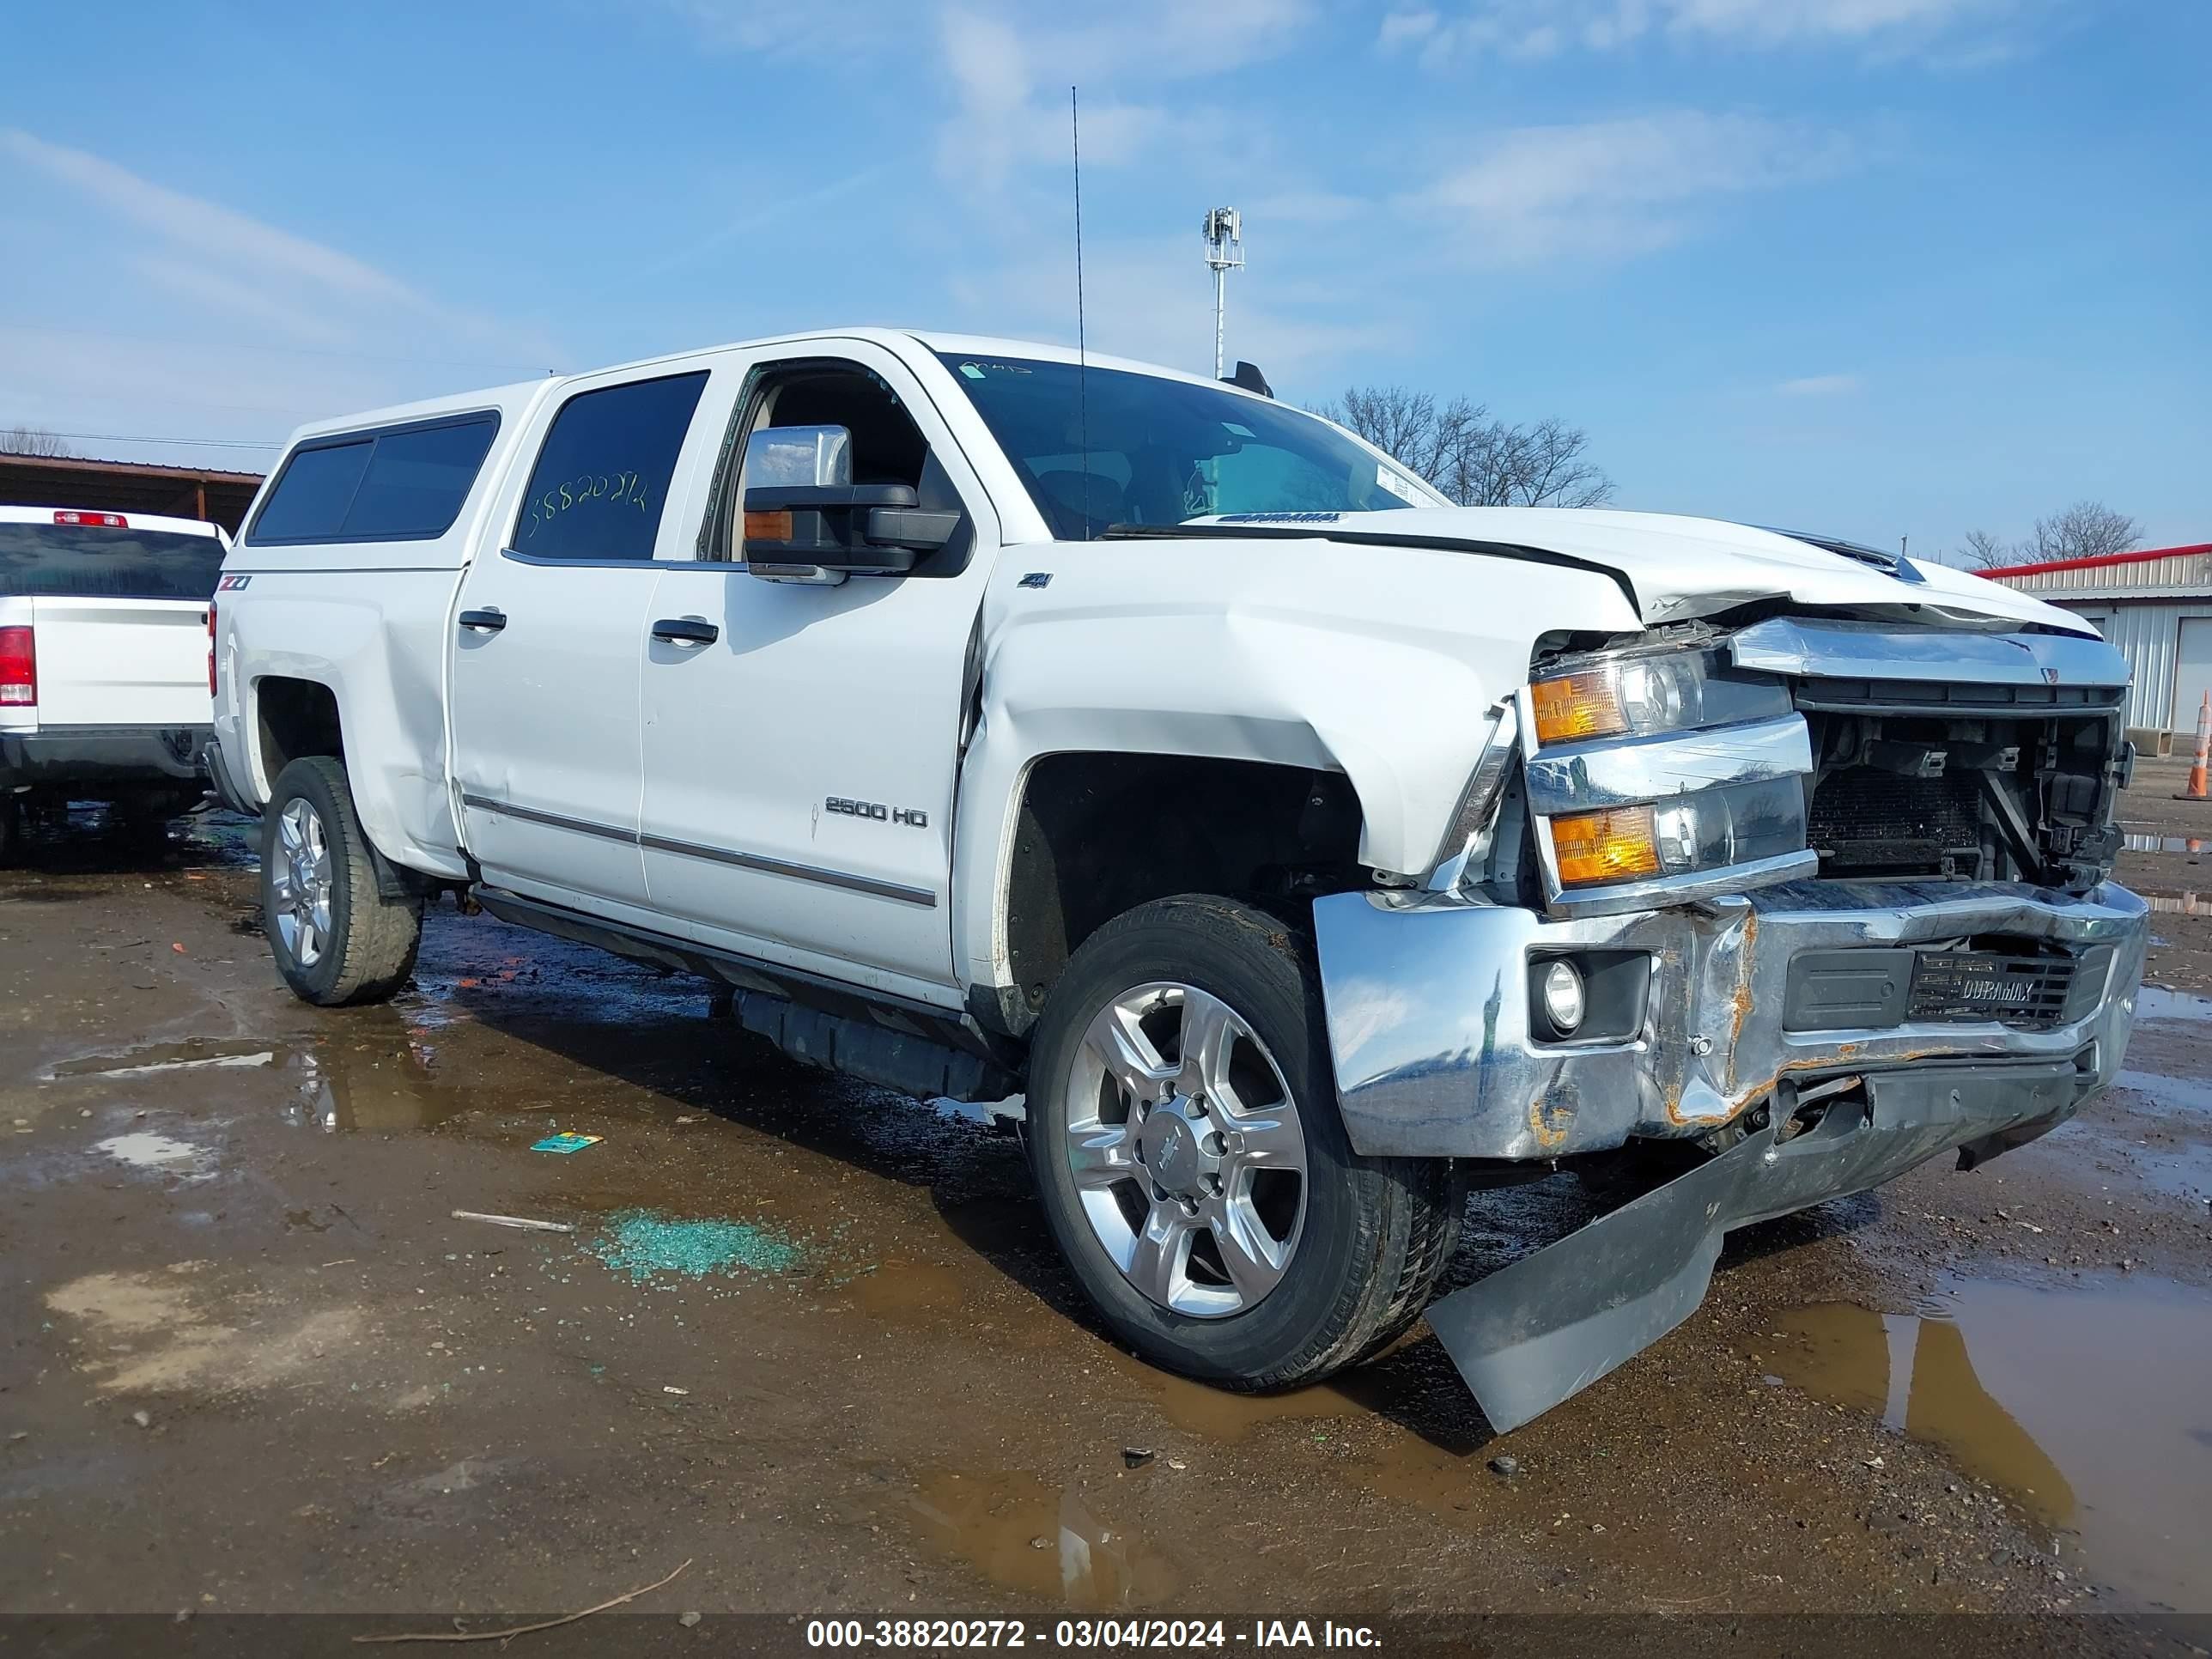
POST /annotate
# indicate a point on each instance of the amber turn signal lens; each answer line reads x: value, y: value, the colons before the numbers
x: 1611, y: 846
x: 1573, y: 706
x: 767, y: 526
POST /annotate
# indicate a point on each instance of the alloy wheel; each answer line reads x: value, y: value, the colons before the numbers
x: 1186, y: 1149
x: 300, y: 881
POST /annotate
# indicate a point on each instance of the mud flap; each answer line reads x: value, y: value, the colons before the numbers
x: 1548, y: 1326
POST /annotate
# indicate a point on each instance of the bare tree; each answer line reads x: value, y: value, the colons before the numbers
x: 31, y: 440
x: 1474, y: 458
x: 2086, y: 529
x: 1981, y: 551
x: 1539, y: 465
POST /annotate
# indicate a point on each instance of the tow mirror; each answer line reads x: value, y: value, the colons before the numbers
x: 781, y: 456
x: 806, y: 520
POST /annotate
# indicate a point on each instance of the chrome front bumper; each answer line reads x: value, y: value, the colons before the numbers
x: 1428, y: 1017
x: 1429, y: 1023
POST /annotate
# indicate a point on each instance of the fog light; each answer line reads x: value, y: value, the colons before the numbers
x: 1563, y: 997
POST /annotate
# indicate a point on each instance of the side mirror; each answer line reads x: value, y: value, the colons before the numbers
x: 806, y: 521
x: 784, y: 455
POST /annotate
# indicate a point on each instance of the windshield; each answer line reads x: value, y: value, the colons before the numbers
x: 92, y: 561
x: 1119, y: 448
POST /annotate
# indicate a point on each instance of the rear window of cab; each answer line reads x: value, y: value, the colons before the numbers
x: 386, y: 484
x: 102, y: 561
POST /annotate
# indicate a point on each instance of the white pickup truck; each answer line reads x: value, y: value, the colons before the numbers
x: 106, y: 663
x: 1306, y: 850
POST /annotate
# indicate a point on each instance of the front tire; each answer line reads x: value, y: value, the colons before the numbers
x: 338, y: 940
x: 1187, y: 1147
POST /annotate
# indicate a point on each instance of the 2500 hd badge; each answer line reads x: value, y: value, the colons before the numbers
x: 913, y: 817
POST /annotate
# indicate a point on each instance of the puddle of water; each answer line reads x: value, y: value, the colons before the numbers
x: 2192, y: 845
x: 381, y: 1091
x: 2181, y: 1171
x: 1040, y: 1540
x: 2088, y: 1405
x: 2172, y: 1094
x: 2156, y: 1002
x: 640, y: 1243
x: 197, y: 1054
x: 146, y: 1150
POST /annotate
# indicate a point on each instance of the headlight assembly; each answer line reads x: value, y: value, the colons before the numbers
x: 1658, y: 772
x: 1638, y: 692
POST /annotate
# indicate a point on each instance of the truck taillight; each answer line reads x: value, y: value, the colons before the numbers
x: 98, y: 520
x: 210, y: 648
x: 19, y: 668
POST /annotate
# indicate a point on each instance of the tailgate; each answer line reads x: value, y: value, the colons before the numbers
x: 122, y: 662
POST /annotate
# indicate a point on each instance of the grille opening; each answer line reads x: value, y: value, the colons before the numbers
x: 1919, y: 792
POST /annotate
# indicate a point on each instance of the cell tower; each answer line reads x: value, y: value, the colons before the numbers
x: 1225, y: 252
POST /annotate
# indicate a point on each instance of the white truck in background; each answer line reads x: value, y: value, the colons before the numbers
x: 1305, y: 850
x: 106, y: 663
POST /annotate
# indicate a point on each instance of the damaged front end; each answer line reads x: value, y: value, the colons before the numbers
x: 1830, y: 900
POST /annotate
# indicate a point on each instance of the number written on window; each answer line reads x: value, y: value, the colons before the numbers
x: 602, y: 478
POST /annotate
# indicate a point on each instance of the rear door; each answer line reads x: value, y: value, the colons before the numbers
x: 549, y: 638
x: 118, y: 612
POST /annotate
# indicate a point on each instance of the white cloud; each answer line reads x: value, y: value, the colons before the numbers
x: 1153, y: 299
x: 1536, y: 28
x: 1010, y: 77
x: 205, y: 228
x: 800, y: 27
x: 226, y: 326
x: 1404, y: 28
x: 1610, y: 189
x: 1821, y: 385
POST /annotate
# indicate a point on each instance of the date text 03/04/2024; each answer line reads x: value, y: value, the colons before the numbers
x: 1262, y: 1635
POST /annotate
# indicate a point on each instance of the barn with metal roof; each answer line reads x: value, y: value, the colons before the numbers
x: 2156, y: 606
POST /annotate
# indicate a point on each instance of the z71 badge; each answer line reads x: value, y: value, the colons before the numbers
x: 913, y: 817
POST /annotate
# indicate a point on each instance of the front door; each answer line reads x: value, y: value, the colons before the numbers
x: 800, y: 763
x: 549, y: 640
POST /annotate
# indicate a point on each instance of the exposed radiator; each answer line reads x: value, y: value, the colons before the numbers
x: 1865, y: 820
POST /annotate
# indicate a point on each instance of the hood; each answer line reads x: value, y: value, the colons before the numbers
x: 1677, y: 568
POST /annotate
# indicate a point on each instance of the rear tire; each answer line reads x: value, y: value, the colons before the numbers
x: 1251, y: 1293
x: 336, y: 939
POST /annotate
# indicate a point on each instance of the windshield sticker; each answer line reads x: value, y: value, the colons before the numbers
x: 1278, y: 518
x: 1399, y: 486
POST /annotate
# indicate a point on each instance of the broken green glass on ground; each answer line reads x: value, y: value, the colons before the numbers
x: 641, y: 1243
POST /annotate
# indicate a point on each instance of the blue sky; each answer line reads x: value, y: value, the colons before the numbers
x: 1873, y: 267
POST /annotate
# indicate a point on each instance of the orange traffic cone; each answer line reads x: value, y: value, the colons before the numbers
x: 2197, y: 789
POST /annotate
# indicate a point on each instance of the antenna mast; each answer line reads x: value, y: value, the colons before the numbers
x: 1224, y: 227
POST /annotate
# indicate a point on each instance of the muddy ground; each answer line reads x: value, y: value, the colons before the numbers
x: 812, y: 1337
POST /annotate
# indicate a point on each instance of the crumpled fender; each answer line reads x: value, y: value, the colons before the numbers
x: 1379, y: 663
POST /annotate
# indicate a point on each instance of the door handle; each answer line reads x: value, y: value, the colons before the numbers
x: 686, y: 630
x: 489, y: 620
